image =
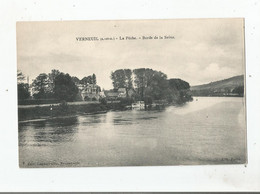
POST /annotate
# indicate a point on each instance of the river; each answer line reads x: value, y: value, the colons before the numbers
x: 208, y: 130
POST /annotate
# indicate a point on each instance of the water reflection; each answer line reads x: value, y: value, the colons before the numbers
x: 121, y: 121
x: 63, y: 122
x: 132, y: 117
x: 51, y: 132
x: 201, y: 131
x: 146, y: 118
x: 39, y: 124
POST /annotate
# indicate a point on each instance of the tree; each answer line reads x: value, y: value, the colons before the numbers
x: 122, y: 78
x: 40, y: 86
x: 98, y: 89
x: 23, y: 91
x: 86, y: 80
x: 20, y: 76
x: 94, y: 79
x: 156, y: 85
x: 51, y: 77
x: 178, y: 84
x: 140, y: 81
x: 239, y: 90
x: 129, y: 81
x: 65, y: 88
x: 150, y: 83
x: 118, y: 78
x: 91, y: 79
x: 75, y: 79
x: 179, y: 90
x: 22, y: 88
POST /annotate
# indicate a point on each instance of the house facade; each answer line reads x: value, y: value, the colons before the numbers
x: 119, y: 93
x: 91, y: 92
x: 111, y: 95
x: 122, y: 93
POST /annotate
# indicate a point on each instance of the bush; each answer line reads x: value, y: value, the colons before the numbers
x: 126, y: 101
x: 148, y: 100
x: 103, y: 101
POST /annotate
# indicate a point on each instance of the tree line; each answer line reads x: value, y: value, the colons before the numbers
x: 54, y: 85
x: 225, y: 91
x: 151, y: 85
x: 148, y: 85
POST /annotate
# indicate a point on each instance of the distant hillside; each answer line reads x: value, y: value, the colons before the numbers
x: 233, y: 86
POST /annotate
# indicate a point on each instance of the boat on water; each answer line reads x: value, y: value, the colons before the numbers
x: 138, y: 105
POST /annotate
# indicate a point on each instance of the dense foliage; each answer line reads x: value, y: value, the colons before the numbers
x: 122, y: 78
x: 23, y: 91
x: 41, y: 87
x: 178, y: 84
x: 51, y: 87
x: 91, y: 79
x: 143, y: 83
x: 151, y: 85
x: 64, y: 87
x: 22, y: 88
x: 239, y: 90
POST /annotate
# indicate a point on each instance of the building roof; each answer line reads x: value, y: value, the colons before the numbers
x: 121, y: 90
x: 92, y: 86
x: 109, y: 93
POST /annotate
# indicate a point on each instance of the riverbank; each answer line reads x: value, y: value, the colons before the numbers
x: 217, y: 95
x: 30, y: 113
x: 57, y: 104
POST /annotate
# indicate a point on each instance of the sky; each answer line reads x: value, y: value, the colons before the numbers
x: 202, y: 51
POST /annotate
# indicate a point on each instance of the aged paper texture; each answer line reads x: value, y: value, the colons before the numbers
x: 131, y: 93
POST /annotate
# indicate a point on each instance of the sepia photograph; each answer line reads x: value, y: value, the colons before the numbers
x: 131, y: 93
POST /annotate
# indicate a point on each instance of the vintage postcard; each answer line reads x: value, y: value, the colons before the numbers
x: 131, y: 93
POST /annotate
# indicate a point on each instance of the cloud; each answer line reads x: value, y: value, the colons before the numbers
x: 203, y: 50
x: 212, y: 72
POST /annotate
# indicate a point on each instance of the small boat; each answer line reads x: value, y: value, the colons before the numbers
x: 138, y: 105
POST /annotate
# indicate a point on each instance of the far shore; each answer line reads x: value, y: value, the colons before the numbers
x: 57, y: 104
x: 218, y: 96
x: 43, y: 112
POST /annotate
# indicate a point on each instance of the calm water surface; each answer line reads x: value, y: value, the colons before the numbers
x: 209, y: 130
